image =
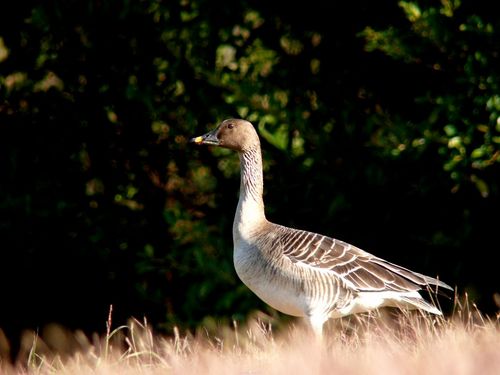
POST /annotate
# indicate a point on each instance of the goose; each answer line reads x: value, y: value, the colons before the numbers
x: 301, y: 273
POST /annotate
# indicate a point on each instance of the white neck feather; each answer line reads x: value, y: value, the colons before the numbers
x: 250, y: 213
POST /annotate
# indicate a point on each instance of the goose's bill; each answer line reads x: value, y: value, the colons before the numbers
x: 206, y: 139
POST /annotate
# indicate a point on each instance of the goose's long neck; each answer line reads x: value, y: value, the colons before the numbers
x: 250, y: 211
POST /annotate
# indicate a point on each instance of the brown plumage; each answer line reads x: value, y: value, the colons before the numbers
x: 302, y: 273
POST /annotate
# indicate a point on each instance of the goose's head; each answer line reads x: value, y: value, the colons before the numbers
x: 235, y: 134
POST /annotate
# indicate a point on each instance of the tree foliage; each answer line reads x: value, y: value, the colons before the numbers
x: 457, y: 51
x: 380, y: 126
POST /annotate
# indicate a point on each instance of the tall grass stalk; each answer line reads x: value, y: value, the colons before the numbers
x: 384, y: 342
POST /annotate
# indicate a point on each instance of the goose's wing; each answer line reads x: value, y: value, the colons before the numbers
x: 359, y: 269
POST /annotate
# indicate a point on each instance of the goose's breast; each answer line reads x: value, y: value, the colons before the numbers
x: 273, y: 281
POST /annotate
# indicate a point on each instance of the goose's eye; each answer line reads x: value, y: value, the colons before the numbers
x: 230, y: 126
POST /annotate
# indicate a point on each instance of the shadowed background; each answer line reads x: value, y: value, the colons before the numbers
x: 379, y: 122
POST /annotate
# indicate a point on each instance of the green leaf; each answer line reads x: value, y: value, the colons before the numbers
x: 478, y: 153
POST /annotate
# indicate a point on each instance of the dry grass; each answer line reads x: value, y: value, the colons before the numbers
x: 381, y: 343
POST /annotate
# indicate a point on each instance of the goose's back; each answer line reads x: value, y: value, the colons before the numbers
x: 360, y: 270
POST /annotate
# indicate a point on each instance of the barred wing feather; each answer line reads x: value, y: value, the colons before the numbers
x: 362, y: 271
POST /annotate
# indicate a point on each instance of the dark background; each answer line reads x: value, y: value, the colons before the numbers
x: 379, y: 123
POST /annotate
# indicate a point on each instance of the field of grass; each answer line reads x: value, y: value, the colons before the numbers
x: 380, y: 343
